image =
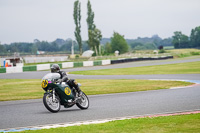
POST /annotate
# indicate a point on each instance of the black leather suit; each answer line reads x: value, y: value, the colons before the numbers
x: 71, y: 82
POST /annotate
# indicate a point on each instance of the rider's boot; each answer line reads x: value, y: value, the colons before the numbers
x: 75, y: 84
x: 80, y: 93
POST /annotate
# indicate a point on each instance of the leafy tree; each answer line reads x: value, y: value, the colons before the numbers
x: 14, y: 48
x: 156, y: 40
x: 91, y: 25
x: 2, y: 49
x: 54, y: 47
x: 108, y: 48
x: 77, y: 20
x: 94, y: 34
x: 140, y: 47
x: 184, y: 41
x: 85, y: 46
x: 66, y: 46
x: 176, y: 39
x: 34, y: 49
x: 180, y: 40
x: 43, y: 46
x: 166, y: 42
x: 95, y: 38
x: 151, y: 46
x: 195, y: 37
x: 134, y: 44
x: 119, y: 43
x: 90, y: 18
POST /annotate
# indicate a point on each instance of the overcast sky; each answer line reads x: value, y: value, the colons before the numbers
x: 46, y: 20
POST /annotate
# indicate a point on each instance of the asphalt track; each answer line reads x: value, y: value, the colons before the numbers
x: 25, y: 113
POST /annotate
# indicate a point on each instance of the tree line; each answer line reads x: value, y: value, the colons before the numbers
x: 183, y: 41
x: 107, y: 45
x: 59, y: 45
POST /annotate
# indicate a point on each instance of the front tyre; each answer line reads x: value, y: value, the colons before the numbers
x: 83, y: 102
x: 52, y: 106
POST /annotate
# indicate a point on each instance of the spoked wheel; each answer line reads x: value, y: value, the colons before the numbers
x: 52, y: 106
x: 83, y: 102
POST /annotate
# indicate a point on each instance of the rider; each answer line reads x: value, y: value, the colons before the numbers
x: 55, y: 68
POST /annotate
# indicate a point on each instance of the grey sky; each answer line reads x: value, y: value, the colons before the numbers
x: 26, y: 20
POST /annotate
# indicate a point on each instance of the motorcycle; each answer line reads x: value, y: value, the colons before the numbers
x: 57, y: 94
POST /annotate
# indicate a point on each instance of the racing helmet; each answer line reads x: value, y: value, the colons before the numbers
x: 55, y: 68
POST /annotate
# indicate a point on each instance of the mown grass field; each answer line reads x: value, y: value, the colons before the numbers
x: 184, y: 52
x: 21, y: 89
x: 180, y: 68
x: 167, y: 124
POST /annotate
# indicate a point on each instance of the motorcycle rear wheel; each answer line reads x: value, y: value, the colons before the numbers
x: 52, y: 106
x: 83, y: 103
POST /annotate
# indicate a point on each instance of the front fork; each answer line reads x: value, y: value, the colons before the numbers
x: 53, y: 95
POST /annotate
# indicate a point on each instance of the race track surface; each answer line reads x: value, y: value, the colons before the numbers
x: 33, y: 113
x: 25, y: 113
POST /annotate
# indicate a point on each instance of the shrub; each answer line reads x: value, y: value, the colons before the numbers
x: 77, y: 56
x: 161, y: 51
x: 195, y: 53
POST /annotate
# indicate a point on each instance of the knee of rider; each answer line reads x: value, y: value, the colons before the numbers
x: 75, y: 82
x: 72, y: 82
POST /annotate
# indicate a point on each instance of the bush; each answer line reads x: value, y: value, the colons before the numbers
x: 77, y: 56
x: 161, y: 51
x: 195, y: 53
x: 184, y: 55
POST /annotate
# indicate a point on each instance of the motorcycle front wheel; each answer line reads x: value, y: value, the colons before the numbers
x: 83, y: 102
x: 52, y: 106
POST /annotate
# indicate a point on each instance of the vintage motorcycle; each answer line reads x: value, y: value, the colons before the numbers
x: 57, y: 94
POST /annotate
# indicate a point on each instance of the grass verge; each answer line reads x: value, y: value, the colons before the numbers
x: 167, y: 124
x: 181, y: 53
x: 180, y: 68
x: 21, y: 89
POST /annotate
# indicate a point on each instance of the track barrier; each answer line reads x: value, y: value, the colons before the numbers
x: 78, y: 64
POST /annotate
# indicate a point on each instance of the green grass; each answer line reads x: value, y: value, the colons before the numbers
x: 105, y: 86
x: 167, y: 124
x: 180, y: 68
x: 21, y: 89
x: 181, y: 53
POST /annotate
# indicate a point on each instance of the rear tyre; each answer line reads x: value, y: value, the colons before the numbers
x: 52, y: 106
x: 83, y: 103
